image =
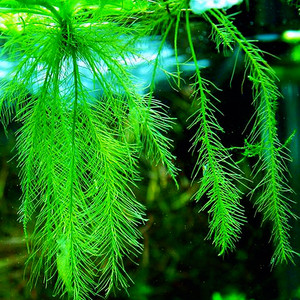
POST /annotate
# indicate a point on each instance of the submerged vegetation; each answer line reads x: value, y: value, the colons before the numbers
x: 85, y: 123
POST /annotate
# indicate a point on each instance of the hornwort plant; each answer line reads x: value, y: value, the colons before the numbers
x: 79, y: 143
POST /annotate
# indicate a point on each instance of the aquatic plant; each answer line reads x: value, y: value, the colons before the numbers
x: 85, y: 124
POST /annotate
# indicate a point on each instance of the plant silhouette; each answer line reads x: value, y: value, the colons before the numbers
x: 79, y: 143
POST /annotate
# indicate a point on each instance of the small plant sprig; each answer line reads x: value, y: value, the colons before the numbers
x: 219, y: 171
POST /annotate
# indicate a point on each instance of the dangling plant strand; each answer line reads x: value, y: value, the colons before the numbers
x: 220, y: 173
x: 273, y: 200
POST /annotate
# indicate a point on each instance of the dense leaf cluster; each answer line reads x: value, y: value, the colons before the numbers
x: 79, y: 144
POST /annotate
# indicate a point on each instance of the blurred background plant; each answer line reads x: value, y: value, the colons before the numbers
x: 177, y: 261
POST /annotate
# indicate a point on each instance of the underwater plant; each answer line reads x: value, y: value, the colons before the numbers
x: 85, y: 123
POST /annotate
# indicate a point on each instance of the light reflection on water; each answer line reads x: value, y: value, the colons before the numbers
x: 140, y: 65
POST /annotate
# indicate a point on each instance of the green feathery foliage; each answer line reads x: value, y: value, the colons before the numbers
x: 273, y: 200
x: 219, y: 170
x: 77, y: 163
x: 78, y: 146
